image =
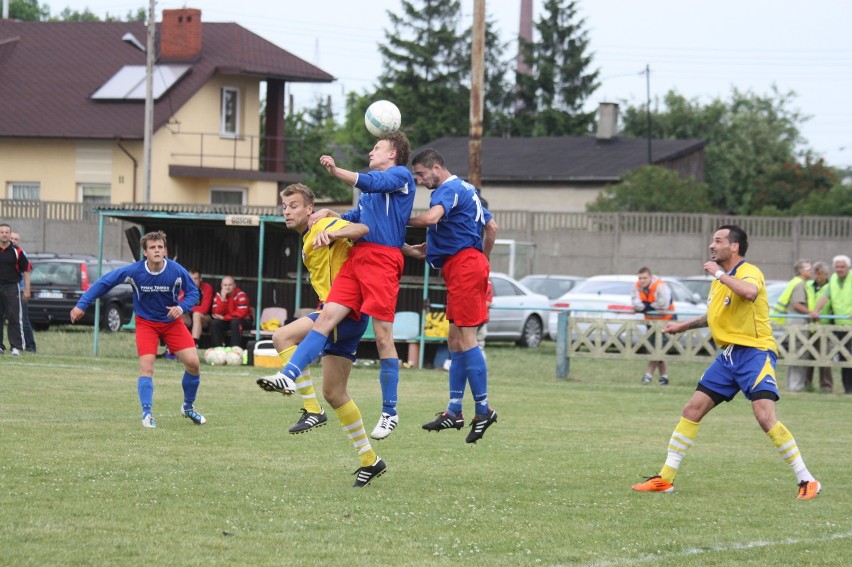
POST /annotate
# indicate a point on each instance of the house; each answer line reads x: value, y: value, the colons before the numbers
x: 72, y: 112
x: 563, y: 173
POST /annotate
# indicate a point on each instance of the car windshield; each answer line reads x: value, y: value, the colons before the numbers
x: 551, y: 287
x: 601, y: 287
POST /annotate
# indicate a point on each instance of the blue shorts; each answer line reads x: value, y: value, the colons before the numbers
x: 343, y: 341
x: 740, y: 368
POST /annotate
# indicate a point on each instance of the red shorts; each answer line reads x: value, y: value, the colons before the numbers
x: 368, y: 282
x: 148, y: 334
x: 466, y: 276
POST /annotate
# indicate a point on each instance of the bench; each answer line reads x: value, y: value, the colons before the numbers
x: 407, y: 329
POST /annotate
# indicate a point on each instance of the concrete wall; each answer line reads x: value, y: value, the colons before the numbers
x: 582, y: 244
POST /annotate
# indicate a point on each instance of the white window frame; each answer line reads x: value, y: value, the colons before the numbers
x: 240, y: 190
x: 81, y: 188
x: 25, y: 185
x: 225, y: 99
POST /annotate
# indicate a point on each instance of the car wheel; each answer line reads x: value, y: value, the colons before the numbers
x: 40, y: 326
x: 112, y: 318
x: 531, y: 334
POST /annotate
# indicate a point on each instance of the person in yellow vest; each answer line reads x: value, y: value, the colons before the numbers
x: 794, y: 301
x: 653, y: 297
x: 838, y: 295
x: 738, y: 317
x: 813, y: 286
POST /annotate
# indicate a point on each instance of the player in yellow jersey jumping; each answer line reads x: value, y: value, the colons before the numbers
x: 325, y: 248
x: 738, y: 317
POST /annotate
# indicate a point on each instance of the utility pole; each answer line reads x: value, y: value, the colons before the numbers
x: 648, y: 95
x: 477, y: 95
x: 149, y: 104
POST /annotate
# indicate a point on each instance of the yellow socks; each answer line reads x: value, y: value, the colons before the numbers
x: 682, y: 439
x: 304, y: 384
x: 353, y: 426
x: 786, y: 446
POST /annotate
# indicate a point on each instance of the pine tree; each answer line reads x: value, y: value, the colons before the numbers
x: 552, y: 96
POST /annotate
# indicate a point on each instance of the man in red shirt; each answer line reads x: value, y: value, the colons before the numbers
x: 198, y: 319
x: 231, y: 312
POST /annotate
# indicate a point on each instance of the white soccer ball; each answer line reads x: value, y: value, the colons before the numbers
x: 382, y: 117
x: 233, y: 358
x: 216, y: 356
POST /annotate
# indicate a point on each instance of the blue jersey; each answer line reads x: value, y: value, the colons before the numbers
x: 153, y: 293
x: 385, y: 204
x: 461, y: 225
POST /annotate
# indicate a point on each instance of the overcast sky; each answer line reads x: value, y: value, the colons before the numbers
x: 700, y: 49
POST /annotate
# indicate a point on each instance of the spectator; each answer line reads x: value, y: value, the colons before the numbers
x: 231, y: 313
x: 794, y: 301
x: 838, y: 296
x: 198, y: 319
x: 14, y: 267
x: 652, y: 297
x: 813, y: 287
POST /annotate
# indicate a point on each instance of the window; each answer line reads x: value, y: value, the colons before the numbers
x: 230, y: 123
x: 227, y: 196
x: 25, y: 191
x: 95, y: 194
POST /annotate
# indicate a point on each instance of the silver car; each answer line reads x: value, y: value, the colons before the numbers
x: 609, y: 297
x: 517, y: 313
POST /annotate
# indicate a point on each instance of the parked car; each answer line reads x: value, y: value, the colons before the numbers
x: 698, y: 284
x: 525, y: 322
x: 701, y: 284
x: 57, y: 281
x: 550, y: 285
x: 612, y: 293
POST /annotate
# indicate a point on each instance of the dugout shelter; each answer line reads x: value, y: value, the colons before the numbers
x: 253, y: 245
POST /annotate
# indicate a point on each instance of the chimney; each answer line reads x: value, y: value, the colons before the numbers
x: 180, y: 35
x: 607, y: 120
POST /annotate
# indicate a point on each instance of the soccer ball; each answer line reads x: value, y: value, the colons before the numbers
x: 233, y: 358
x: 382, y: 117
x: 215, y: 356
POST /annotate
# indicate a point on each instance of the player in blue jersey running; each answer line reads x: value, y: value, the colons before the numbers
x: 368, y: 283
x: 157, y: 284
x: 454, y: 243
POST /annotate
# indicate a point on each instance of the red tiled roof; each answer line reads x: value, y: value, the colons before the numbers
x: 48, y: 71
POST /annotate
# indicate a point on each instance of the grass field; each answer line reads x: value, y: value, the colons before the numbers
x: 84, y: 484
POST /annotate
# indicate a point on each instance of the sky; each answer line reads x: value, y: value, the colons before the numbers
x: 702, y: 50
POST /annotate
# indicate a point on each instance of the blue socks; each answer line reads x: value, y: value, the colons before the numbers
x: 477, y: 374
x: 190, y: 388
x: 458, y: 380
x: 145, y: 386
x: 389, y: 380
x: 305, y: 353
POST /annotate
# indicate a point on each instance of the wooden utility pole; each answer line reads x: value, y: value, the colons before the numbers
x: 477, y: 95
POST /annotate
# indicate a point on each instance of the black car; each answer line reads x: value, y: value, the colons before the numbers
x: 58, y: 281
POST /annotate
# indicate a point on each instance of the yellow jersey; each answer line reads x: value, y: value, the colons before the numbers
x: 738, y: 321
x: 324, y: 263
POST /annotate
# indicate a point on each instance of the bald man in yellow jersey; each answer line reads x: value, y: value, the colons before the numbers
x: 325, y: 248
x: 738, y: 317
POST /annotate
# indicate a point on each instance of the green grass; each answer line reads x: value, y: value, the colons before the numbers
x: 83, y: 483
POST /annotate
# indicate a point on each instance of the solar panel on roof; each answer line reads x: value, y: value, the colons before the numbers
x: 129, y: 82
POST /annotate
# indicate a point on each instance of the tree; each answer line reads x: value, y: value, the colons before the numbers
x: 747, y: 138
x: 308, y: 136
x: 653, y: 189
x: 424, y: 70
x: 552, y: 95
x: 784, y: 187
x: 28, y: 10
